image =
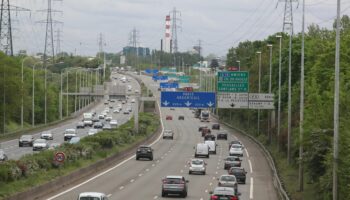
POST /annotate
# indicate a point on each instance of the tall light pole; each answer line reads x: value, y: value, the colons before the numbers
x: 290, y: 95
x: 279, y: 90
x: 60, y: 103
x: 22, y: 106
x: 259, y: 53
x: 270, y: 88
x: 33, y: 93
x: 336, y: 106
x: 302, y: 82
x: 239, y: 65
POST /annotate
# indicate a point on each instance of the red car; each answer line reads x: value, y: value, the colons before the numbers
x: 169, y: 117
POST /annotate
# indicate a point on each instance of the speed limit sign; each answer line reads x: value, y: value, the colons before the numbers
x: 59, y: 157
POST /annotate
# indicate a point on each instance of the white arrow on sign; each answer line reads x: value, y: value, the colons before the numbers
x: 188, y: 103
x: 210, y: 104
x: 166, y: 103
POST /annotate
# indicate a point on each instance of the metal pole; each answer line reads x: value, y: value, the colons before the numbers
x: 289, y: 97
x: 302, y: 82
x: 279, y: 91
x: 67, y: 106
x: 336, y: 106
x: 4, y: 101
x: 76, y: 91
x: 22, y: 93
x: 259, y: 53
x: 239, y: 65
x: 79, y: 90
x: 45, y: 94
x: 60, y: 104
x: 270, y: 89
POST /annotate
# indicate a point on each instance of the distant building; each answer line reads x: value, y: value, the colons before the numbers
x: 139, y: 51
x: 167, y: 39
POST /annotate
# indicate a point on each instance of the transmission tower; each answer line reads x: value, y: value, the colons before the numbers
x: 58, y: 42
x: 100, y: 45
x: 288, y: 15
x: 6, y: 42
x: 176, y: 24
x: 134, y: 40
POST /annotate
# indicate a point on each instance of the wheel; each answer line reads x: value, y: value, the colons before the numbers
x: 151, y: 158
x: 20, y: 145
x: 189, y: 172
x: 195, y: 155
x: 184, y: 195
x: 204, y: 173
x: 137, y: 158
x: 163, y: 194
x: 172, y: 138
x: 208, y: 156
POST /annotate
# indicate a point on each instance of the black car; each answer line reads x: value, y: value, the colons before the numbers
x: 181, y: 117
x: 215, y: 127
x: 209, y: 137
x: 98, y: 125
x: 221, y: 136
x: 144, y: 152
x: 3, y: 156
x: 202, y: 127
x: 26, y: 140
x: 239, y: 173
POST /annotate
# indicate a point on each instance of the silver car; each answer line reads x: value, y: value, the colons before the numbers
x: 197, y: 166
x: 168, y: 134
x: 47, y: 135
x: 40, y: 144
x: 228, y: 181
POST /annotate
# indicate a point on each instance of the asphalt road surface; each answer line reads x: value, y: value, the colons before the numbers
x: 13, y: 150
x: 131, y: 179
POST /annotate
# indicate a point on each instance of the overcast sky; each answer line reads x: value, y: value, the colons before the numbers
x: 220, y: 24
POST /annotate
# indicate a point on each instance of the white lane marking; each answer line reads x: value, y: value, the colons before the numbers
x: 155, y: 197
x: 216, y: 172
x: 250, y: 166
x: 165, y: 154
x: 246, y: 151
x: 153, y: 165
x: 206, y: 191
x: 157, y: 161
x: 140, y: 175
x: 182, y: 171
x: 109, y: 195
x: 210, y: 184
x: 251, y: 188
x: 121, y: 187
x: 201, y: 198
x: 116, y: 166
x: 162, y: 157
x: 132, y: 180
x: 147, y: 170
x: 214, y: 178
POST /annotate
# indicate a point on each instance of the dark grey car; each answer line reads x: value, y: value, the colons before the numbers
x: 174, y: 185
x: 26, y: 140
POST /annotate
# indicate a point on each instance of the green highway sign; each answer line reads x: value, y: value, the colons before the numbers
x: 233, y: 87
x: 233, y: 81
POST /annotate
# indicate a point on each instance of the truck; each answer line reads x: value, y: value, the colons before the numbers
x: 87, y: 119
x: 197, y: 113
x: 204, y: 117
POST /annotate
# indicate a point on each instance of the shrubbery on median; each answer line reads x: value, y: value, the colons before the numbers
x: 18, y: 175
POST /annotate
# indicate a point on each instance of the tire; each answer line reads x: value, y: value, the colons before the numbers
x: 137, y: 158
x: 184, y: 195
x: 208, y: 155
x: 151, y: 158
x: 172, y: 138
x: 163, y: 194
x: 189, y: 172
x: 20, y: 145
x: 204, y: 173
x: 195, y: 155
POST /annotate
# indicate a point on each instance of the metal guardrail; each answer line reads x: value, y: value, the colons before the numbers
x: 276, y: 179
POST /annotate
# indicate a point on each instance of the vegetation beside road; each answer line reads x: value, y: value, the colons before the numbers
x: 39, y: 168
x: 318, y: 115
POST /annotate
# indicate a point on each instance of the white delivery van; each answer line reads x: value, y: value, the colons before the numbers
x: 202, y: 149
x: 212, y: 146
x: 92, y: 195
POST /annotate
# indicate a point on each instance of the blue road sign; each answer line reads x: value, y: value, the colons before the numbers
x: 188, y: 99
x: 151, y: 71
x: 160, y: 78
x: 169, y: 85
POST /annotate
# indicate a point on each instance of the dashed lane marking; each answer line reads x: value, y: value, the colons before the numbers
x: 121, y: 187
x: 250, y: 166
x: 140, y: 175
x: 147, y: 170
x: 246, y: 151
x: 109, y: 195
x: 132, y: 180
x: 251, y: 188
x: 155, y: 197
x: 153, y: 165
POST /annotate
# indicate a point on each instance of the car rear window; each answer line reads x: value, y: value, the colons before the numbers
x: 89, y: 198
x: 173, y: 181
x: 236, y: 170
x: 228, y: 178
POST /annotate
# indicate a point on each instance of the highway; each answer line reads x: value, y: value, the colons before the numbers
x: 131, y: 179
x: 13, y: 150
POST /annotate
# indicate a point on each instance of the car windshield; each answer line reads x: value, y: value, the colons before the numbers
x: 89, y: 198
x: 145, y: 148
x: 26, y: 137
x: 197, y: 162
x: 70, y: 131
x: 228, y: 178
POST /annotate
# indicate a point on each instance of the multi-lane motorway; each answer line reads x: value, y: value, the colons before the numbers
x: 13, y: 150
x: 131, y: 179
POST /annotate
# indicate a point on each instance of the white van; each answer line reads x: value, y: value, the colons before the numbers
x: 92, y: 195
x: 202, y: 149
x: 212, y: 146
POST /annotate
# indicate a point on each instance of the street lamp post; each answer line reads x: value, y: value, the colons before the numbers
x: 259, y: 53
x: 33, y: 93
x: 22, y: 106
x: 269, y: 121
x: 289, y: 95
x: 239, y: 65
x: 279, y: 90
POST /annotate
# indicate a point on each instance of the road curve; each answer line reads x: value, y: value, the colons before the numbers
x: 131, y: 179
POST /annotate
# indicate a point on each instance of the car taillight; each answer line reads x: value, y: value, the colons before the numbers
x: 214, y: 197
x: 234, y: 198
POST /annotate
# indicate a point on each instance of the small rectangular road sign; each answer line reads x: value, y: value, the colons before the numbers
x: 261, y: 101
x: 233, y: 100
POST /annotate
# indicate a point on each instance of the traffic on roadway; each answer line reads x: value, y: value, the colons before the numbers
x: 191, y: 158
x: 106, y: 114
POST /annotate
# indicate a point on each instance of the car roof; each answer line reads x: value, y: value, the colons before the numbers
x: 175, y: 177
x: 144, y: 146
x: 91, y: 194
x: 224, y: 190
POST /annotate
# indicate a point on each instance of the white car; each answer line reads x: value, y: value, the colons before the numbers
x: 133, y: 100
x: 88, y: 122
x: 101, y: 116
x: 47, y: 135
x: 136, y: 91
x: 117, y: 110
x: 197, y: 166
x: 69, y: 133
x: 236, y: 150
x: 92, y: 196
x: 40, y: 144
x: 108, y: 118
x: 92, y: 131
x: 168, y: 134
x: 113, y: 122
